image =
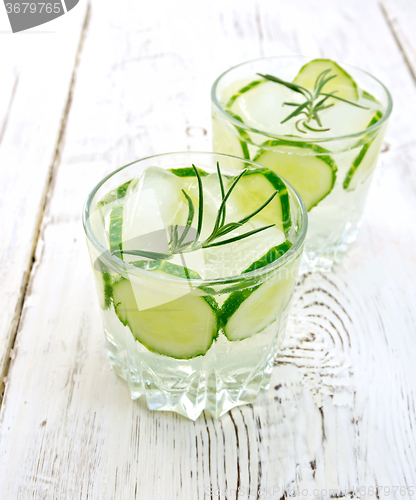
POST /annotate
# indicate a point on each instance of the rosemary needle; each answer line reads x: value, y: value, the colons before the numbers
x: 178, y: 244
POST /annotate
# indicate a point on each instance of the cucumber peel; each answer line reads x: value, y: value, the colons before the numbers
x: 166, y: 267
x: 350, y: 181
x: 106, y: 284
x: 244, y: 136
x: 272, y: 255
x: 187, y: 172
x: 243, y: 90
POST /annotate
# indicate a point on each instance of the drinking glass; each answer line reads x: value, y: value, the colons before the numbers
x: 332, y: 173
x: 230, y: 327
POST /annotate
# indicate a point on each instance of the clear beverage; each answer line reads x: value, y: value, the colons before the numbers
x: 327, y: 149
x: 194, y: 306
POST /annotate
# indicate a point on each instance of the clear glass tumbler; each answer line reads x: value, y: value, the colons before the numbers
x: 188, y: 343
x: 331, y: 171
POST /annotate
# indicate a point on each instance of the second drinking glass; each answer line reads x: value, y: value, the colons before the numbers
x: 316, y: 124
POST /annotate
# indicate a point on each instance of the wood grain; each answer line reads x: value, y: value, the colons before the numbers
x: 401, y: 17
x: 33, y: 108
x: 340, y: 413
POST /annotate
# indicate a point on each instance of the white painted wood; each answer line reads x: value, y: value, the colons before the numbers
x: 35, y: 80
x: 401, y: 16
x: 341, y: 410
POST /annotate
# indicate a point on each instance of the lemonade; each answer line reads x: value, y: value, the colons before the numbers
x: 195, y: 264
x: 318, y: 125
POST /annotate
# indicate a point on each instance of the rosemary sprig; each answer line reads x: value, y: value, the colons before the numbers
x: 200, y: 204
x: 181, y: 243
x: 316, y: 101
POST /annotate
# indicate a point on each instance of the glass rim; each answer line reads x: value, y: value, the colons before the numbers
x: 242, y: 125
x: 117, y: 263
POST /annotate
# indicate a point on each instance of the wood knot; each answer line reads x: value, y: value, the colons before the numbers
x: 195, y: 131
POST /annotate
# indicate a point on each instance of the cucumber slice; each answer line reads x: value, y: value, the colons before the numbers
x: 187, y: 172
x: 313, y: 175
x: 272, y: 255
x: 344, y: 84
x: 103, y: 278
x: 121, y: 190
x: 236, y: 256
x: 114, y: 195
x: 182, y: 328
x: 254, y: 188
x: 243, y: 90
x: 116, y: 229
x: 369, y: 97
x: 365, y: 161
x: 227, y: 141
x: 104, y: 282
x: 166, y: 267
x: 244, y: 136
x: 247, y: 312
x: 225, y: 138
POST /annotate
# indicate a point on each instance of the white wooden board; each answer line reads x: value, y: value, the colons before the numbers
x: 401, y: 17
x: 36, y: 72
x: 341, y: 411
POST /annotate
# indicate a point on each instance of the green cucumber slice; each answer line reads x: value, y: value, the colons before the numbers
x: 254, y: 188
x: 243, y: 90
x: 116, y: 229
x: 182, y: 328
x: 247, y: 312
x: 104, y: 282
x: 103, y: 278
x: 229, y: 140
x: 272, y: 255
x: 226, y: 139
x: 121, y: 190
x: 365, y: 161
x: 244, y: 136
x: 114, y: 195
x: 344, y: 84
x: 313, y: 175
x: 166, y: 267
x: 369, y: 97
x: 187, y: 172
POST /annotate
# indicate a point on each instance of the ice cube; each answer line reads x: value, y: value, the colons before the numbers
x: 153, y: 202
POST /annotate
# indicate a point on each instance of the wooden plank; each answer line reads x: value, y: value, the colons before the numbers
x: 341, y: 410
x: 36, y: 77
x: 401, y: 17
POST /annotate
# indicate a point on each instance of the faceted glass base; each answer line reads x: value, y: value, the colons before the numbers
x: 206, y: 392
